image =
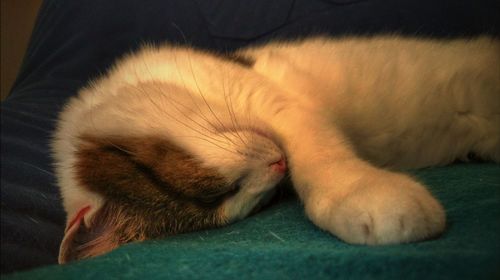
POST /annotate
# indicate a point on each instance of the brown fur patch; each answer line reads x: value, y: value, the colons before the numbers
x: 146, y: 168
x: 152, y: 188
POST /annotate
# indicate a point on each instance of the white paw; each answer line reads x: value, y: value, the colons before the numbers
x: 384, y: 210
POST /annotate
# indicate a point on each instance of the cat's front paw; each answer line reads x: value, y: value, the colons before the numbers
x: 393, y: 209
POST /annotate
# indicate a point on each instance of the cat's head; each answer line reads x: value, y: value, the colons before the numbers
x: 130, y: 185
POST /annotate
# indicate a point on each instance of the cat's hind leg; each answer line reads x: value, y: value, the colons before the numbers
x: 487, y: 147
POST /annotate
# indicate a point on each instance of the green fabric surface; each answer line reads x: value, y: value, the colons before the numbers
x: 280, y: 243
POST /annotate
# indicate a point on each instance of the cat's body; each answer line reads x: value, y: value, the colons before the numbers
x: 175, y: 139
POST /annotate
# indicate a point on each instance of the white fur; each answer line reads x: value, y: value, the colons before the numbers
x: 336, y: 108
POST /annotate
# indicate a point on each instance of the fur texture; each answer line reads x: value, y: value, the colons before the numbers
x: 174, y: 139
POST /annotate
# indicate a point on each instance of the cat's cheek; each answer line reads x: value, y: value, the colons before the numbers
x: 383, y: 212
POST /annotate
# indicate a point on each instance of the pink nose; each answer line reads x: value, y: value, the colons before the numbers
x: 279, y: 166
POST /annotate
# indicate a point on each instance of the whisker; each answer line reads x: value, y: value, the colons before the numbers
x: 186, y: 88
x: 38, y: 168
x: 204, y: 139
x: 171, y: 100
x: 201, y: 114
x: 198, y: 86
x: 163, y: 112
x: 181, y: 76
x: 92, y: 121
x: 230, y: 109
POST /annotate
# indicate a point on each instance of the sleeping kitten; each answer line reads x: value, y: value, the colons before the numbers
x: 175, y: 139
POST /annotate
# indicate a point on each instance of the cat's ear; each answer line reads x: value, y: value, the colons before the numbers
x: 83, y: 241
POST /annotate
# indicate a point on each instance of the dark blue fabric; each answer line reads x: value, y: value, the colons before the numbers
x: 73, y: 41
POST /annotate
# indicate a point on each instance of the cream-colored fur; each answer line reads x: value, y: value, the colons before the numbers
x: 345, y: 112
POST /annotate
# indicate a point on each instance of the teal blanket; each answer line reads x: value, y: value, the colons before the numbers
x: 280, y: 243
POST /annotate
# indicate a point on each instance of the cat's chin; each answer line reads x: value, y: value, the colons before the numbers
x: 255, y: 192
x: 240, y: 206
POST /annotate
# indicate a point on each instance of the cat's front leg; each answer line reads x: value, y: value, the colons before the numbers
x: 354, y: 200
x: 379, y: 207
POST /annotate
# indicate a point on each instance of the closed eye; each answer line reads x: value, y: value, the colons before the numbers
x: 216, y: 198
